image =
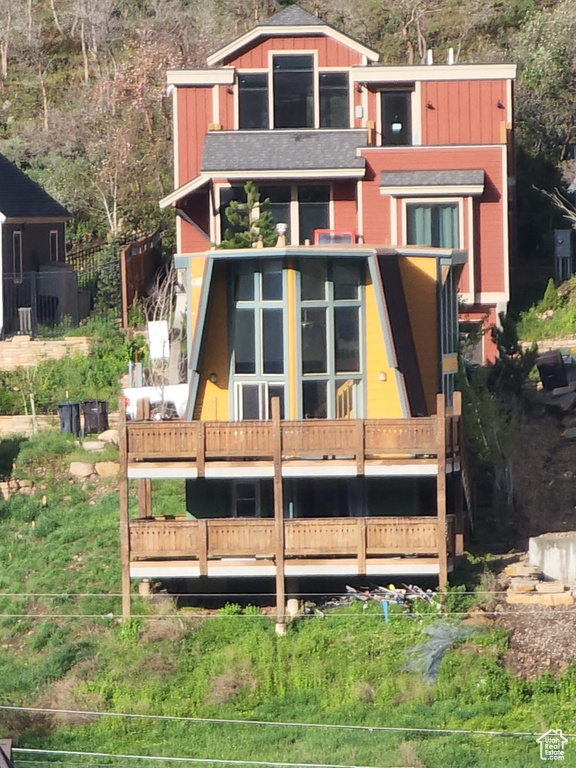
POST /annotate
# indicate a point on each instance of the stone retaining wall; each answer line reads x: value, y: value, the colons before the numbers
x: 27, y: 352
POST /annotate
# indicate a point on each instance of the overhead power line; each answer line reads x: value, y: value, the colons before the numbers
x: 283, y: 724
x: 202, y: 760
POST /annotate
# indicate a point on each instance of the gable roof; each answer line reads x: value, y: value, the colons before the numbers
x: 22, y: 198
x: 292, y: 21
x: 288, y: 151
x: 293, y: 16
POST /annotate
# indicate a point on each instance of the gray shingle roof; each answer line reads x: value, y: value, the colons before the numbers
x: 431, y: 178
x: 282, y: 150
x: 293, y: 16
x: 20, y: 197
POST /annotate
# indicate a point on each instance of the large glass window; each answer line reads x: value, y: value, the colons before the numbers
x: 334, y: 100
x: 434, y: 224
x: 293, y: 91
x: 253, y: 101
x: 293, y: 82
x: 258, y: 337
x: 396, y: 118
x: 279, y: 206
x: 330, y: 317
x: 314, y: 210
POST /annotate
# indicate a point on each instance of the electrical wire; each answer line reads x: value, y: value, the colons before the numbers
x: 325, y: 613
x: 283, y: 724
x: 202, y: 760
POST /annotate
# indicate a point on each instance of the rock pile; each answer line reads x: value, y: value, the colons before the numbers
x: 527, y: 587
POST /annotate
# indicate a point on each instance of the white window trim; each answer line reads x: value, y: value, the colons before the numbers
x: 285, y: 54
x: 57, y: 254
x: 415, y: 103
x: 17, y: 257
x: 270, y: 72
x: 405, y: 201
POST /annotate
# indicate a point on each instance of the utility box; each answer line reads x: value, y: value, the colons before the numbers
x: 562, y: 254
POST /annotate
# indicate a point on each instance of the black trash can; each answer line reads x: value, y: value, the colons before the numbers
x: 551, y: 369
x: 95, y: 414
x: 69, y: 415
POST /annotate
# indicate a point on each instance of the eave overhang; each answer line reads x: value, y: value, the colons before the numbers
x: 201, y: 76
x: 409, y: 73
x: 300, y: 30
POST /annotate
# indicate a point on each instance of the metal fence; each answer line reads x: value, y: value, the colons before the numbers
x: 38, y: 303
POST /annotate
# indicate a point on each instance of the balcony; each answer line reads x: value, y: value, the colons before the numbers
x: 158, y: 449
x: 226, y: 547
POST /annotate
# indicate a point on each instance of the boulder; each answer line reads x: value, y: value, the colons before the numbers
x: 550, y: 587
x: 109, y: 436
x: 81, y: 469
x: 93, y: 445
x: 107, y: 468
x: 565, y: 598
x: 523, y: 585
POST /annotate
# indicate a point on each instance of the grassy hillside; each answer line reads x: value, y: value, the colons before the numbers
x: 344, y: 669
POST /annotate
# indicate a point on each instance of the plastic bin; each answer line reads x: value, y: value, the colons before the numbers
x: 551, y: 369
x: 69, y: 415
x: 95, y: 414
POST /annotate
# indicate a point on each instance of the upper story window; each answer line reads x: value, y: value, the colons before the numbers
x: 253, y: 101
x: 396, y: 118
x: 54, y: 250
x: 294, y: 95
x: 17, y: 261
x: 334, y: 100
x: 293, y: 91
x: 435, y: 224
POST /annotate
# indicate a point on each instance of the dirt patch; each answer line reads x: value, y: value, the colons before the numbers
x: 541, y: 639
x: 64, y: 694
x: 163, y: 629
x: 225, y: 687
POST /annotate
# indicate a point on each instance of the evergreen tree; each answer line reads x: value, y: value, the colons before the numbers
x: 249, y: 221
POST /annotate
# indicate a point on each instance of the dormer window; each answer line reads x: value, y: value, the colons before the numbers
x: 293, y: 94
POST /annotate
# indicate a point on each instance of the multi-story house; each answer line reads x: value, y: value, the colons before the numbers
x: 323, y: 430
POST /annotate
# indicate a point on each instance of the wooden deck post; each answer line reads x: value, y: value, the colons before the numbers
x: 278, y: 517
x: 457, y: 480
x: 441, y: 491
x: 144, y: 486
x: 124, y: 516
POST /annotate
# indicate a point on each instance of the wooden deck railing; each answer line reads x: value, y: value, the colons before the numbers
x: 360, y: 440
x: 320, y: 537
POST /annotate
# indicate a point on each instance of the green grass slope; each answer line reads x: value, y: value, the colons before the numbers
x: 70, y: 653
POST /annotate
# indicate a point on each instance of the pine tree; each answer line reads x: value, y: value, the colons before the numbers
x: 248, y: 221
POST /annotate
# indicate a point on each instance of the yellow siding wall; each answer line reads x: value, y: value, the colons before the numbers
x: 196, y: 269
x: 382, y: 397
x: 213, y: 402
x: 419, y: 279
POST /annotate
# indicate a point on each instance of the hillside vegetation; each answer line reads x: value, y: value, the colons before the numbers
x: 84, y: 107
x: 63, y: 650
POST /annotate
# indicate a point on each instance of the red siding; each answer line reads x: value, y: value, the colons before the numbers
x: 330, y: 52
x: 226, y: 100
x: 194, y: 107
x: 197, y: 207
x: 345, y: 215
x: 463, y: 112
x: 490, y: 240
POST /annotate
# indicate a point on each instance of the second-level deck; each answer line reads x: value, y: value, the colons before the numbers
x: 309, y: 447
